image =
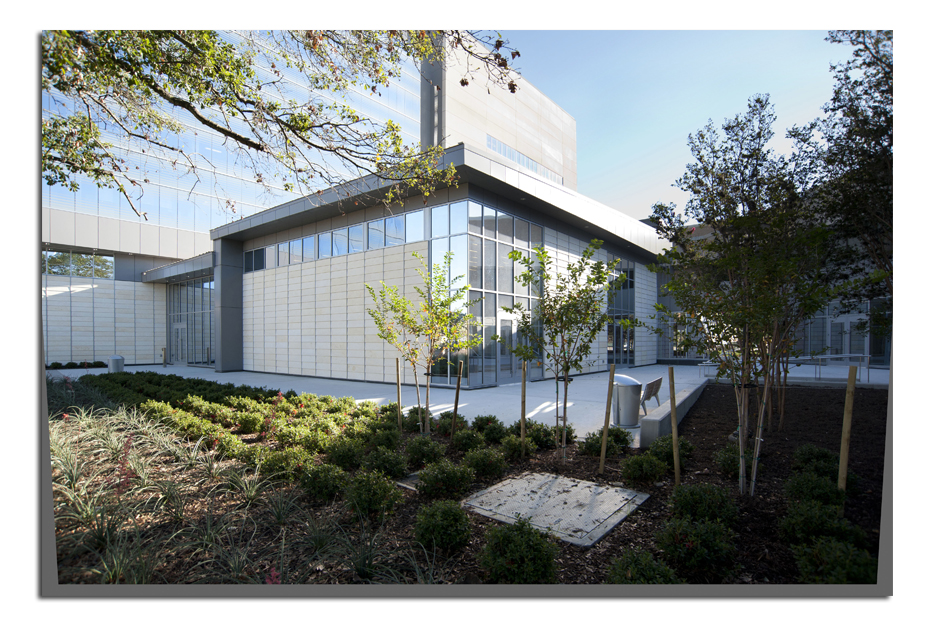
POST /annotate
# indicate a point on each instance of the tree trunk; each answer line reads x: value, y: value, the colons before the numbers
x: 418, y: 397
x: 428, y: 412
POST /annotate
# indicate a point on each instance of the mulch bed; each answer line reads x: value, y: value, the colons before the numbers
x: 813, y: 415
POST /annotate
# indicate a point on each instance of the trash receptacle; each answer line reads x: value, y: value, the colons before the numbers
x: 626, y: 400
x: 115, y: 363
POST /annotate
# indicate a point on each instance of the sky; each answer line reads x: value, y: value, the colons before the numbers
x: 636, y: 96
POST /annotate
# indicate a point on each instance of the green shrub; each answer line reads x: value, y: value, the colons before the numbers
x: 642, y: 468
x: 412, y: 419
x: 444, y: 479
x: 556, y: 432
x: 494, y: 432
x: 828, y: 561
x: 487, y: 463
x: 481, y: 422
x: 323, y: 482
x: 808, y: 457
x: 444, y: 424
x: 808, y: 486
x: 422, y: 451
x: 386, y: 437
x: 808, y: 520
x: 511, y: 447
x: 386, y: 461
x: 249, y: 422
x: 539, y: 433
x: 591, y: 446
x: 519, y: 554
x: 71, y: 365
x: 662, y: 448
x: 55, y: 365
x: 285, y: 463
x: 346, y: 452
x: 704, y: 501
x: 700, y: 551
x: 371, y: 494
x: 621, y: 436
x: 443, y: 525
x: 639, y: 567
x: 727, y: 459
x: 465, y: 440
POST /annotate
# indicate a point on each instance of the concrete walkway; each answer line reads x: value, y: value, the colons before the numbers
x: 587, y: 393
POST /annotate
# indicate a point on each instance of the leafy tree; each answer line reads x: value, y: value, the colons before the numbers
x: 422, y: 331
x: 568, y: 316
x: 126, y: 83
x: 851, y: 151
x: 762, y: 265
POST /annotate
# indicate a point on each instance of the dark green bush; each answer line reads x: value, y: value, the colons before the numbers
x: 662, y: 448
x: 443, y: 425
x: 828, y: 561
x: 386, y: 461
x: 346, y: 452
x: 642, y: 468
x: 286, y: 463
x: 55, y: 365
x: 422, y: 451
x: 808, y: 520
x: 412, y: 419
x: 323, y: 482
x: 728, y: 459
x: 639, y: 567
x: 465, y: 440
x: 704, y: 501
x: 591, y: 446
x: 700, y: 551
x: 481, y: 422
x: 444, y: 479
x: 556, y: 432
x: 511, y: 446
x: 371, y: 494
x: 443, y: 525
x: 543, y: 435
x: 386, y: 437
x: 494, y: 432
x: 71, y: 365
x: 519, y: 554
x: 621, y: 436
x: 808, y: 486
x: 808, y: 456
x: 487, y: 463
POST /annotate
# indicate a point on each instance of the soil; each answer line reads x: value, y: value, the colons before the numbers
x: 812, y: 416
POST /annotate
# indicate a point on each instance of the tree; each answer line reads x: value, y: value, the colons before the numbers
x: 852, y: 154
x: 126, y: 83
x: 567, y: 317
x: 761, y: 268
x: 423, y: 331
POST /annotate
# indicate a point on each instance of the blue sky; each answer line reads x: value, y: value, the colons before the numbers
x: 637, y: 95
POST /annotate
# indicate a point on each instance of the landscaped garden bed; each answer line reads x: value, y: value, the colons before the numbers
x: 174, y: 480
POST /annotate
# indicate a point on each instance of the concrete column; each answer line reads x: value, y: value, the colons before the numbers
x: 229, y: 305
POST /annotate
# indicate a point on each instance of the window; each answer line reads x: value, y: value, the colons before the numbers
x: 355, y: 238
x: 395, y: 231
x: 283, y: 254
x: 325, y: 244
x: 375, y: 234
x: 308, y: 249
x: 340, y: 242
x: 415, y: 226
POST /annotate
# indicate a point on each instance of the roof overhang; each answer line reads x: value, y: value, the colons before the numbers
x: 488, y: 171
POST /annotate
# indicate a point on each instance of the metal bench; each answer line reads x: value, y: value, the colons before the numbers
x: 651, y: 390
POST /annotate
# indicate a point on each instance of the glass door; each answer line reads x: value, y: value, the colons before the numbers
x: 179, y: 354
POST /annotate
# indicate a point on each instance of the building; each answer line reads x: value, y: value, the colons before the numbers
x: 282, y: 289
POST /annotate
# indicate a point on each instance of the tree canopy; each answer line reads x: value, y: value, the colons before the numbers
x: 112, y: 89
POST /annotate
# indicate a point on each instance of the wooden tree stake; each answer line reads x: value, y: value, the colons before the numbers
x: 674, y: 423
x: 604, y: 434
x: 846, y: 427
x: 461, y: 363
x: 523, y: 412
x: 399, y: 397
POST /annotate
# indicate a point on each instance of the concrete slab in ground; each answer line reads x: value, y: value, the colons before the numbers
x: 576, y: 511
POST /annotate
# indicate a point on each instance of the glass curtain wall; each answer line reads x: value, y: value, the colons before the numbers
x: 191, y: 322
x: 621, y: 306
x: 480, y: 239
